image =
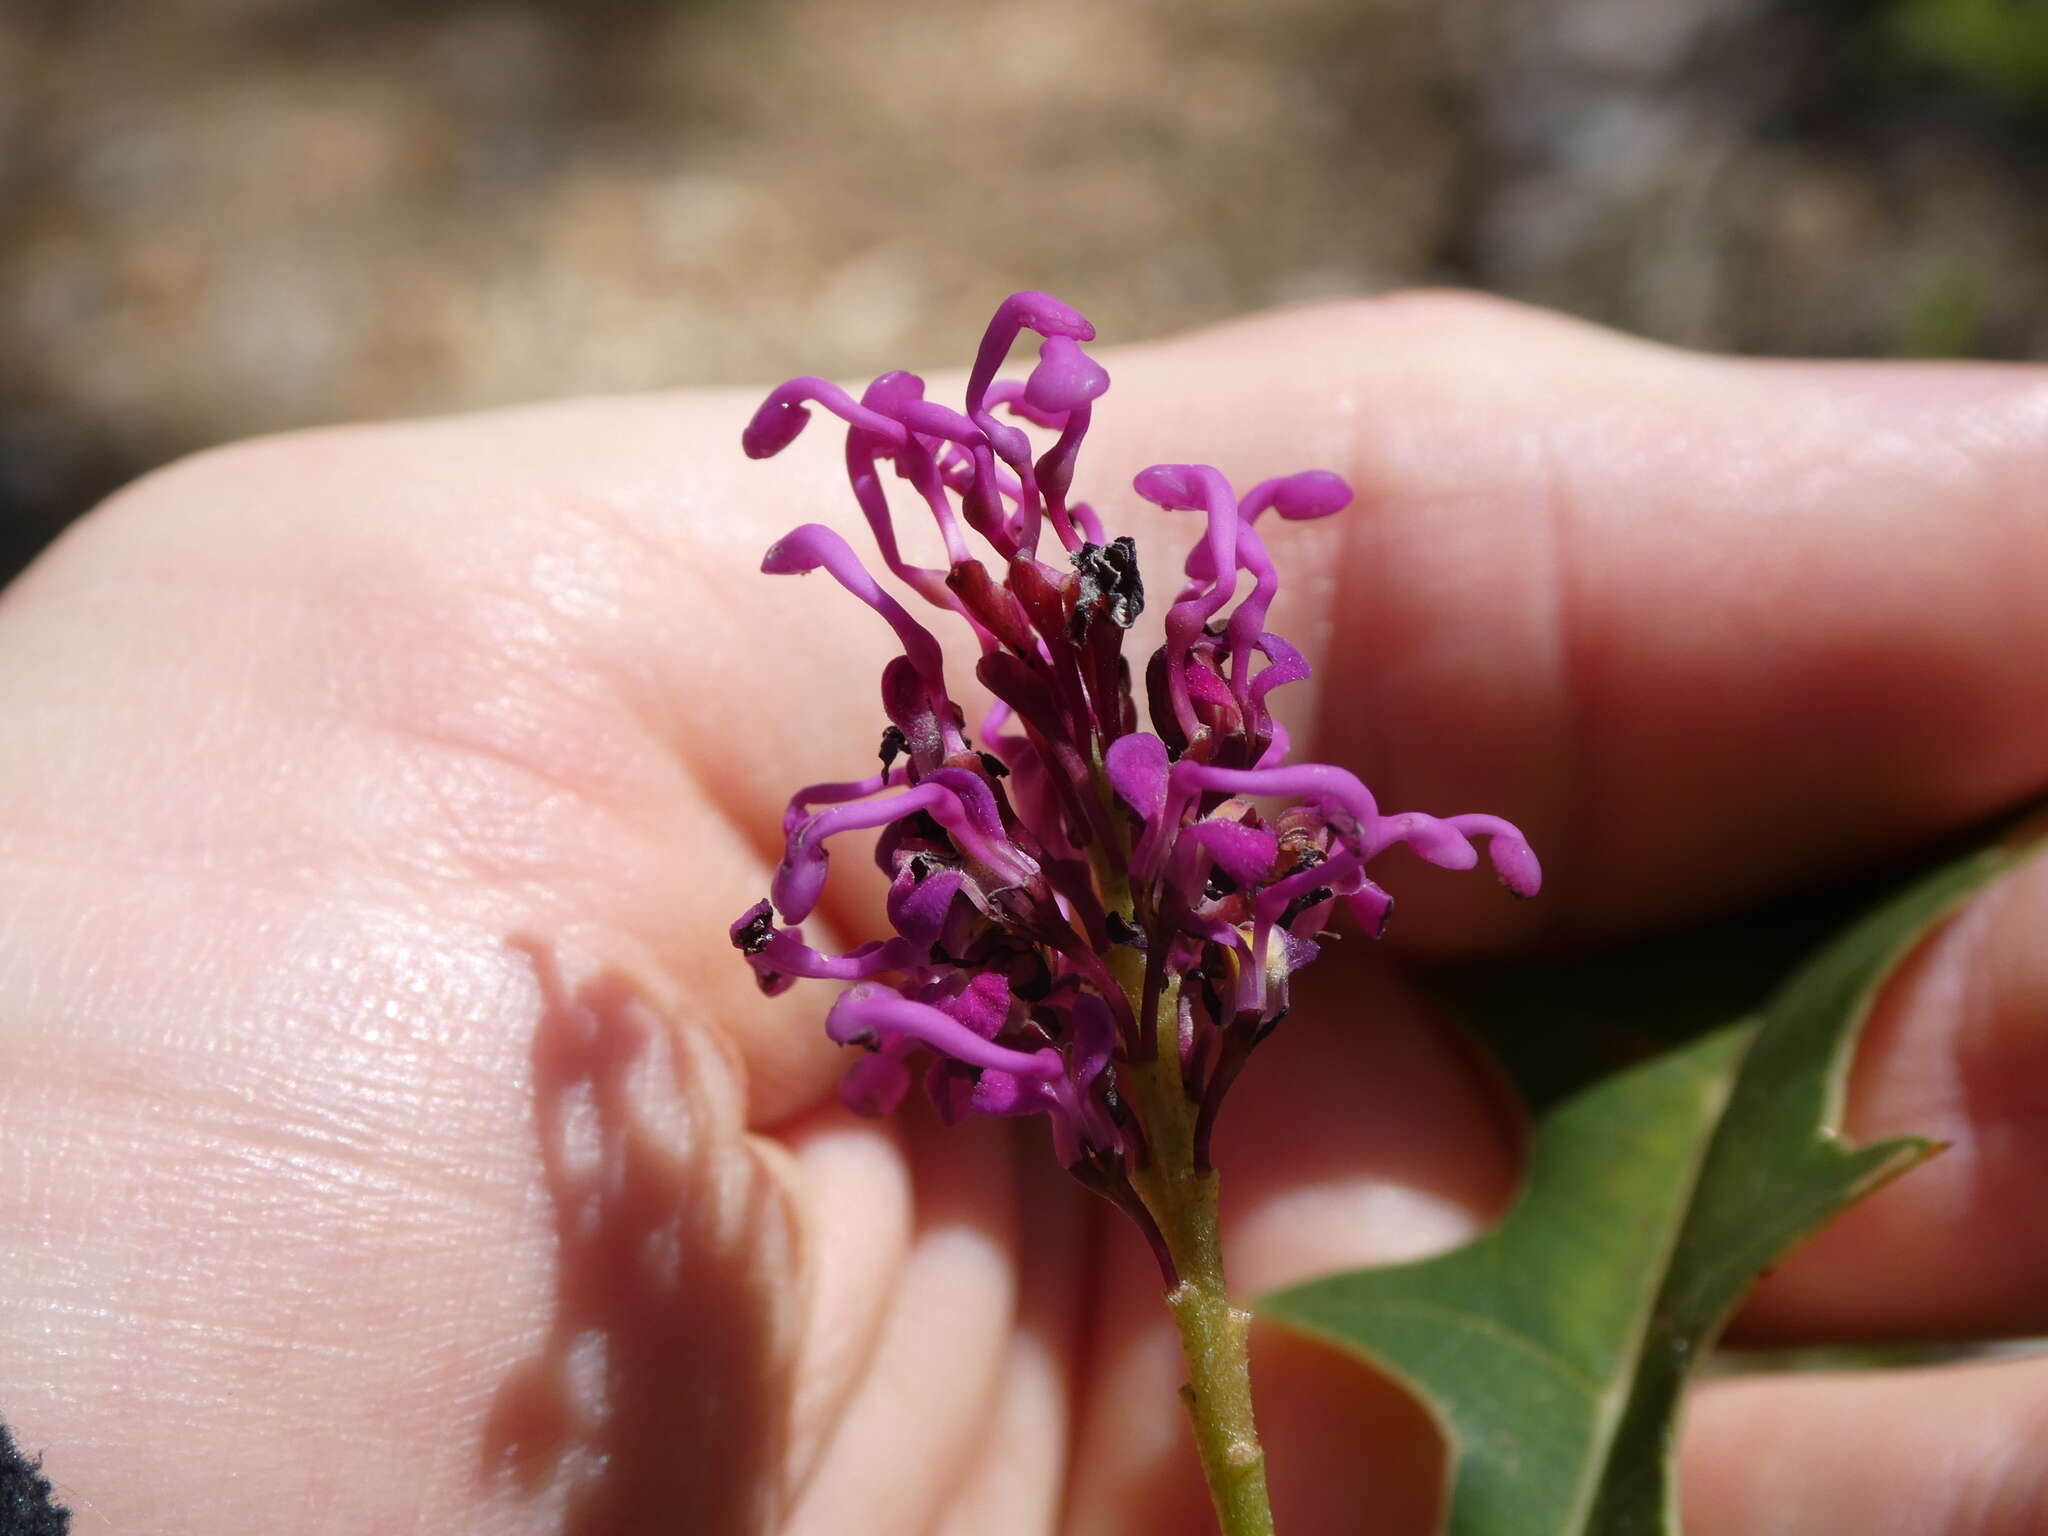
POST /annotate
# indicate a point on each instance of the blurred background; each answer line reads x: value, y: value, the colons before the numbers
x: 222, y: 217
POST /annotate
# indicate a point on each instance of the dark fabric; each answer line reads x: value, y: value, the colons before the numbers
x: 25, y: 1505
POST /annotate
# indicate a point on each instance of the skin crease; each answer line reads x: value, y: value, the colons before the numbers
x: 390, y: 1141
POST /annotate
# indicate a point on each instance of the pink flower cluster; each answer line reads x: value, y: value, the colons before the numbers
x: 1019, y: 868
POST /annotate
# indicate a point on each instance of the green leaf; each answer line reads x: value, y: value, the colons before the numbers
x: 1554, y: 1348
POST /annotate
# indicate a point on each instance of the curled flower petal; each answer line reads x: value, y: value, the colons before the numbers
x: 1025, y: 310
x: 786, y: 954
x: 1205, y: 687
x: 811, y: 796
x: 1278, y: 745
x: 800, y: 877
x: 957, y: 800
x: 1513, y: 859
x: 1056, y: 469
x: 950, y: 1086
x: 1171, y: 486
x: 875, y: 1085
x: 1249, y: 621
x: 908, y: 704
x: 983, y: 1005
x: 1246, y: 854
x: 935, y: 420
x: 1373, y: 908
x: 890, y: 395
x: 781, y: 416
x: 1434, y: 839
x: 1326, y: 786
x: 813, y: 545
x: 1311, y: 493
x: 1005, y: 1093
x: 1183, y: 486
x: 869, y: 1012
x: 1049, y: 317
x: 1137, y: 766
x: 976, y: 799
x: 1010, y: 393
x: 918, y: 907
x: 1066, y: 378
x: 1284, y: 665
x: 1094, y: 1037
x: 1273, y: 903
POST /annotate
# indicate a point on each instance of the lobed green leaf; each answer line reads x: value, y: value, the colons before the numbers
x: 1555, y: 1348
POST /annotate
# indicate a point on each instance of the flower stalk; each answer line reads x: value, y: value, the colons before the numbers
x: 1092, y: 921
x: 1215, y: 1336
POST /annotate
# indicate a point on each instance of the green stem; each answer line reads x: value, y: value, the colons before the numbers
x: 1214, y: 1336
x: 1213, y: 1333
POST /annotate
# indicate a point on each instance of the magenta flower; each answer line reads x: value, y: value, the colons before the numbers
x: 1073, y: 887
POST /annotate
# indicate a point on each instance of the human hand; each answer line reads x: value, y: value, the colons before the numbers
x: 390, y: 1140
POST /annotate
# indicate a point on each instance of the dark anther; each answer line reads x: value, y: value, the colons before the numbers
x: 940, y: 957
x: 994, y: 765
x: 1122, y: 555
x: 1309, y: 858
x: 867, y: 1040
x: 920, y: 866
x: 1211, y: 998
x: 1303, y: 902
x: 1386, y: 917
x: 1110, y: 584
x: 753, y: 938
x: 1220, y: 884
x: 1112, y: 1100
x: 1121, y: 929
x: 894, y: 745
x: 1267, y: 1026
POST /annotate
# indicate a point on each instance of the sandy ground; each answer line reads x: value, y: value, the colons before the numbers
x: 220, y: 217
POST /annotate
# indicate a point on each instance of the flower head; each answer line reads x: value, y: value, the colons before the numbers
x: 1075, y: 894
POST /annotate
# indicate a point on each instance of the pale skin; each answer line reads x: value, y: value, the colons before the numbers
x: 325, y: 758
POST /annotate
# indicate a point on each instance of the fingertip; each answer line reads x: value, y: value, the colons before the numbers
x: 1954, y: 1051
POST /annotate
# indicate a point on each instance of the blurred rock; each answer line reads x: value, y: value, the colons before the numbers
x: 1753, y: 175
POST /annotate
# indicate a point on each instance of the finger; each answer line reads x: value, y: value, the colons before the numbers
x: 242, y: 1238
x: 855, y: 1201
x: 1955, y: 1051
x: 1953, y: 1451
x: 1365, y: 1135
x: 1016, y: 1482
x: 1699, y: 624
x: 909, y: 1430
x: 1012, y: 1485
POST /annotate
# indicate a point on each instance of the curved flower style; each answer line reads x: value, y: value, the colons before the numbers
x: 1075, y: 887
